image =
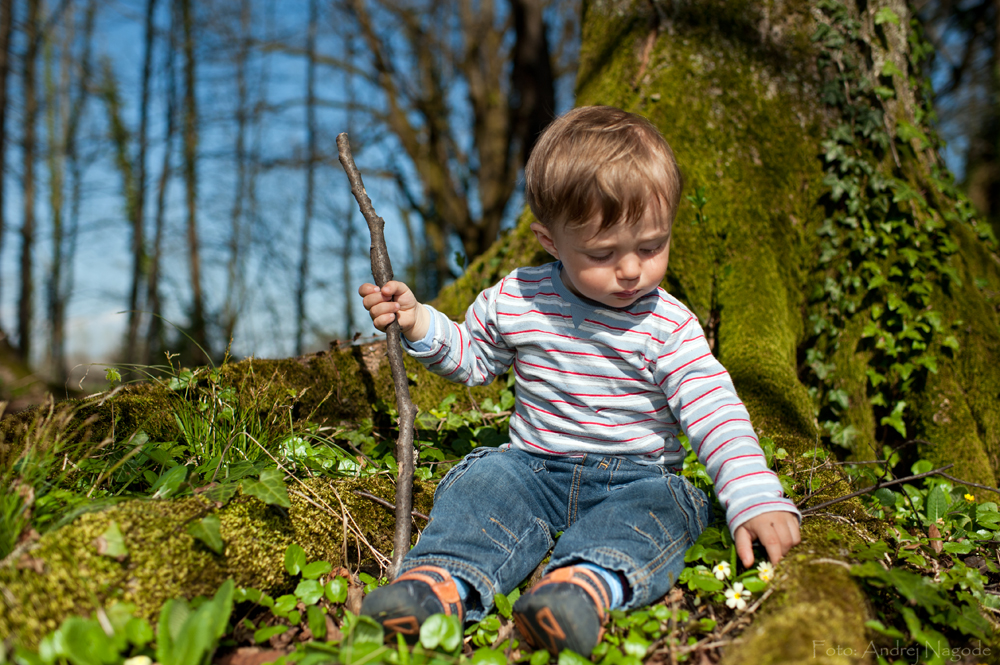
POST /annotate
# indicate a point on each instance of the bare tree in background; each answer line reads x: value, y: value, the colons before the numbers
x: 465, y: 152
x: 967, y: 36
x: 154, y: 337
x: 64, y: 110
x: 235, y: 285
x: 311, y: 158
x: 198, y: 329
x: 6, y: 30
x: 25, y: 305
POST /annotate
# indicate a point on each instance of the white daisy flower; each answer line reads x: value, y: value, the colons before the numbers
x: 737, y: 596
x: 765, y: 571
x: 721, y: 570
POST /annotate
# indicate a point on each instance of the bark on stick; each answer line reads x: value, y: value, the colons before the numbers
x: 382, y: 272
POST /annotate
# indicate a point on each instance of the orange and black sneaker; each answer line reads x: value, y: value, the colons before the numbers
x: 401, y: 607
x: 564, y: 610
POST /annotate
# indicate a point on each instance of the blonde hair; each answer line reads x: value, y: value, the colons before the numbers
x: 600, y: 159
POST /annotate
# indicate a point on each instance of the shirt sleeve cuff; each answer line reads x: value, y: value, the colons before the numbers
x: 424, y: 344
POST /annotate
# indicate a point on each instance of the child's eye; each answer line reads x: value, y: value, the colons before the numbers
x: 652, y: 251
x: 599, y: 258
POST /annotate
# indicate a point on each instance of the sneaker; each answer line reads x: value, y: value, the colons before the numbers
x: 564, y: 610
x: 401, y: 607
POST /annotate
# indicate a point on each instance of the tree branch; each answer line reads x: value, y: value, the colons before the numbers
x: 869, y: 490
x: 382, y: 272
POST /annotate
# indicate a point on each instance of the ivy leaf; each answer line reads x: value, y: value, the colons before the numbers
x: 886, y: 497
x: 890, y: 68
x: 207, y: 531
x: 295, y: 559
x: 895, y: 419
x: 169, y: 482
x: 111, y: 543
x: 270, y: 488
x: 886, y: 15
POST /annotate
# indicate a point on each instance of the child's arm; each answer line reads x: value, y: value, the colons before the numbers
x: 395, y: 301
x: 777, y: 531
x: 472, y: 353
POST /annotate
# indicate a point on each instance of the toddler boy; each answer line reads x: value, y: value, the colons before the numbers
x: 609, y: 369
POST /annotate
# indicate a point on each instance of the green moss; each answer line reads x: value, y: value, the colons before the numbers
x: 818, y: 612
x: 165, y: 562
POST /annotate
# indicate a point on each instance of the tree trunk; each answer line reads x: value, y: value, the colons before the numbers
x: 154, y: 333
x: 6, y: 29
x: 199, y: 336
x: 137, y: 217
x: 235, y: 288
x: 307, y: 214
x: 25, y: 307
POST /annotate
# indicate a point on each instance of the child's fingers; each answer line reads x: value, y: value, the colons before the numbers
x: 367, y: 289
x: 744, y: 546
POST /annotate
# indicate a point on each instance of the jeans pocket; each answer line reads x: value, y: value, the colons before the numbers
x: 699, y: 507
x: 456, y: 472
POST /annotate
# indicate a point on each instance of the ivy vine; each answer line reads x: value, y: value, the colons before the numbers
x: 884, y: 245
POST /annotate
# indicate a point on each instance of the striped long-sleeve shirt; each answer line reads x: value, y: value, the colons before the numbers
x: 596, y: 379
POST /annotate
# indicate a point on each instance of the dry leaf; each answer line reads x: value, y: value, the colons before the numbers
x: 935, y: 535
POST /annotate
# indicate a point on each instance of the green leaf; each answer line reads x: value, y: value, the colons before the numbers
x: 886, y: 15
x: 270, y: 488
x: 112, y: 375
x: 309, y: 591
x: 207, y: 531
x: 963, y: 547
x: 441, y: 630
x: 264, y: 634
x: 169, y: 482
x: 540, y: 657
x: 295, y: 559
x: 316, y: 618
x: 316, y: 569
x: 336, y: 590
x: 567, y: 657
x: 503, y: 605
x: 635, y: 644
x: 937, y: 504
x: 366, y: 630
x: 111, y: 543
x: 487, y: 656
x: 885, y: 496
x: 285, y: 604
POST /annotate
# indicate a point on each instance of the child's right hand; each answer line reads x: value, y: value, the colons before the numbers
x: 396, y: 302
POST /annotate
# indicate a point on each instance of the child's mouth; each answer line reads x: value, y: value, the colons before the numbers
x: 625, y: 294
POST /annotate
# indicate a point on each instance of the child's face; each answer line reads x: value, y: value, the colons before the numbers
x: 615, y: 267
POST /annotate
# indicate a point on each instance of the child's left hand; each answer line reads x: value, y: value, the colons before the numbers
x: 777, y: 531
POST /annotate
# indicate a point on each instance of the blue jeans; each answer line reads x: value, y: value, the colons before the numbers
x: 497, y: 511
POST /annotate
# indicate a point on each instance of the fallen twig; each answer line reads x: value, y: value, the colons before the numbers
x: 871, y: 489
x: 382, y: 272
x: 382, y: 502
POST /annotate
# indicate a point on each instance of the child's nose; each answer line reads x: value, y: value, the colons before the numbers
x: 629, y: 268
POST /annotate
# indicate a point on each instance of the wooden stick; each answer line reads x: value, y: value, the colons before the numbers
x: 382, y: 272
x: 873, y: 488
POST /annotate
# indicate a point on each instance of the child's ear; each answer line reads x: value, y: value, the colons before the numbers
x: 544, y: 236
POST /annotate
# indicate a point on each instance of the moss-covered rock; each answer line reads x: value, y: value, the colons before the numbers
x: 63, y: 573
